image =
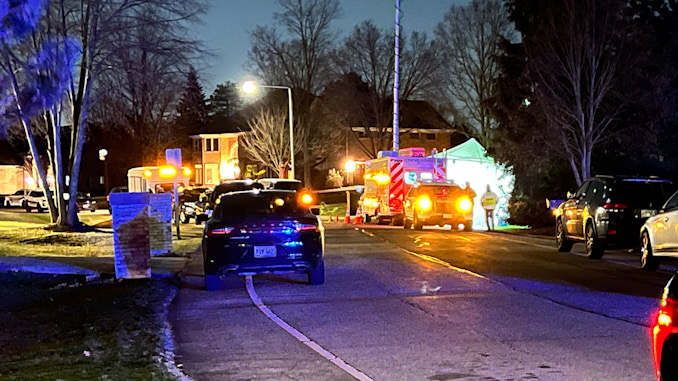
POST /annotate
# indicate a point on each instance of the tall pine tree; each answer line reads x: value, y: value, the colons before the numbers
x: 192, y: 111
x: 225, y: 101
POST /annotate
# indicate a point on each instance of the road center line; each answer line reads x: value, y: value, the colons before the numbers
x: 358, y: 375
x: 443, y: 263
x: 430, y: 258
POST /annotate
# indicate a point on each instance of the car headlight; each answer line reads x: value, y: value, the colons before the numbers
x: 424, y: 203
x: 464, y: 204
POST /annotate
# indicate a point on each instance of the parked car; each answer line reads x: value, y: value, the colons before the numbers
x: 85, y: 202
x: 37, y: 200
x: 193, y: 202
x: 437, y: 203
x: 17, y: 199
x: 658, y: 236
x: 609, y: 210
x: 115, y: 190
x: 223, y: 188
x: 261, y: 231
x: 282, y: 184
x: 665, y: 334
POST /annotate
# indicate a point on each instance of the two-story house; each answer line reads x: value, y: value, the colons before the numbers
x: 215, y: 157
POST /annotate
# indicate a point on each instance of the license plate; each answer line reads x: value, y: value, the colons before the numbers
x: 447, y: 216
x: 264, y: 251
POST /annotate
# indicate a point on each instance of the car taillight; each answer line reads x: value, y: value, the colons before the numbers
x: 305, y: 227
x: 614, y: 207
x: 668, y: 310
x: 219, y: 232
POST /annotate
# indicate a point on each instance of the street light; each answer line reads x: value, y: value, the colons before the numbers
x: 250, y: 87
x: 102, y: 156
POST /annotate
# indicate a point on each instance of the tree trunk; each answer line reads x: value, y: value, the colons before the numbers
x: 79, y: 142
x: 57, y: 167
x: 38, y: 165
x: 33, y: 147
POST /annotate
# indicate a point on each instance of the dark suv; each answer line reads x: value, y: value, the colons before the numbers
x: 438, y: 204
x: 609, y: 210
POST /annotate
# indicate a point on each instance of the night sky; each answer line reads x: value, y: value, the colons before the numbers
x: 226, y: 26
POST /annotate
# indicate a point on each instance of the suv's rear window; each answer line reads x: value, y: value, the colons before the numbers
x: 232, y: 187
x: 258, y: 203
x: 650, y: 194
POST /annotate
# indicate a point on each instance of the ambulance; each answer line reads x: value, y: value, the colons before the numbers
x: 157, y: 179
x: 390, y: 176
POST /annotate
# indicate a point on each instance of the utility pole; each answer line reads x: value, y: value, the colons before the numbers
x: 396, y: 80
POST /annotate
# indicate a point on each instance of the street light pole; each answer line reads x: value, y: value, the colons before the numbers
x: 250, y: 87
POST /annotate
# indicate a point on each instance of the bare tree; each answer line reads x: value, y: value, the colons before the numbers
x: 469, y: 36
x: 353, y: 107
x: 575, y: 62
x: 268, y: 141
x: 368, y: 52
x: 147, y: 59
x: 362, y: 95
x: 57, y: 61
x: 421, y: 61
x: 300, y: 60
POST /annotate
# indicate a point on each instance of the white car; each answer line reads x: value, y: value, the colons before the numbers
x: 659, y: 235
x: 17, y: 199
x: 36, y: 200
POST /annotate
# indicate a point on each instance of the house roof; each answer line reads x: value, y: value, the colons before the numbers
x: 221, y: 125
x: 421, y: 115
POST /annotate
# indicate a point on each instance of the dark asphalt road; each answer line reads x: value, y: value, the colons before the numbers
x: 500, y: 255
x: 426, y: 305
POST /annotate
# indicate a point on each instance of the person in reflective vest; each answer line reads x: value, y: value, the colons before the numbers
x: 489, y: 202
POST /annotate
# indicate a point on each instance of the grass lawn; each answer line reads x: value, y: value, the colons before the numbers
x: 24, y: 234
x: 17, y: 215
x: 41, y: 242
x: 105, y: 331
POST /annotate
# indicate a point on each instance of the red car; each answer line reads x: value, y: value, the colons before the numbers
x: 665, y: 334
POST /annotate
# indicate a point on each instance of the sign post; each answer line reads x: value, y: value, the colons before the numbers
x: 173, y: 158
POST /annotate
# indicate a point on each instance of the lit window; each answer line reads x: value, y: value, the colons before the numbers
x: 211, y: 145
x: 211, y: 174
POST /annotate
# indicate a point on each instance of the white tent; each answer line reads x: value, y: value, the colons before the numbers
x: 469, y: 162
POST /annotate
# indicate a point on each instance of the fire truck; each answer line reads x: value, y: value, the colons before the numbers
x: 390, y: 176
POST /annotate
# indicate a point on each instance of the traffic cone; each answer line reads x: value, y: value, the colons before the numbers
x: 358, y: 216
x: 347, y: 219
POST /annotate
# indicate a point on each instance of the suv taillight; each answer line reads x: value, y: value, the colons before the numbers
x: 615, y: 207
x: 219, y: 232
x: 305, y: 227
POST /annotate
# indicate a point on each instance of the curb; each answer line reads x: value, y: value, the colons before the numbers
x: 166, y: 356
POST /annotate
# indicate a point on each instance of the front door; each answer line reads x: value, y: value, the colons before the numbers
x: 573, y: 209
